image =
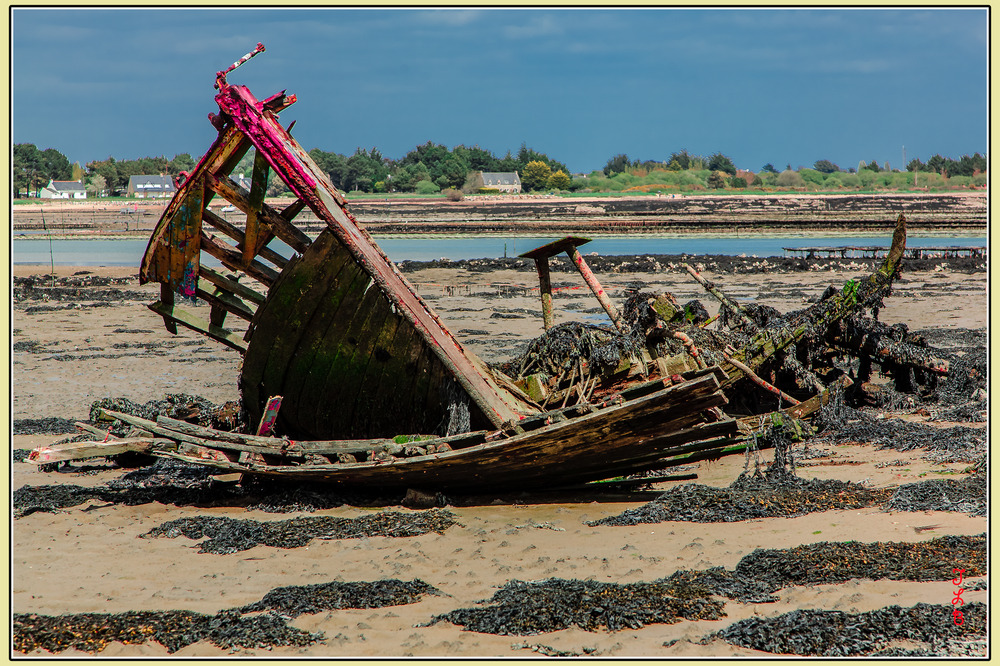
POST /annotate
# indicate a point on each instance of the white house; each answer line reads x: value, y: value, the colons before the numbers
x: 503, y: 181
x: 63, y: 189
x: 146, y: 187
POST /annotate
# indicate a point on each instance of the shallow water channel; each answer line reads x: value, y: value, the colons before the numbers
x: 41, y: 249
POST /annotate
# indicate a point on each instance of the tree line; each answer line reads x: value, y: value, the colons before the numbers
x: 431, y: 167
x: 32, y: 169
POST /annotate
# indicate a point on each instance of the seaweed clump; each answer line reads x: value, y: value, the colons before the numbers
x: 231, y: 535
x: 92, y: 632
x: 832, y: 633
x: 525, y: 608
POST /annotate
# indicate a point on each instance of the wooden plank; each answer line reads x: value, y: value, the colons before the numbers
x: 195, y: 323
x: 195, y: 430
x: 288, y: 337
x: 225, y: 152
x: 320, y: 344
x: 105, y: 434
x: 232, y: 259
x: 167, y: 298
x: 226, y: 227
x: 258, y: 232
x: 224, y: 299
x: 293, y: 209
x: 576, y: 450
x: 282, y: 228
x: 270, y: 415
x: 93, y: 449
x: 223, y: 282
x: 333, y: 447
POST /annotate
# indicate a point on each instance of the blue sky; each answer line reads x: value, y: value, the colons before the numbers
x: 785, y: 86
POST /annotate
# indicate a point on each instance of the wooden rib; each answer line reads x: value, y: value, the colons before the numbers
x: 293, y: 209
x: 223, y: 282
x: 225, y: 300
x: 282, y: 228
x: 258, y: 232
x: 237, y: 235
x: 232, y: 259
x: 177, y: 315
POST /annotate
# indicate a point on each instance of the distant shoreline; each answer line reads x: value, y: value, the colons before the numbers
x: 950, y: 214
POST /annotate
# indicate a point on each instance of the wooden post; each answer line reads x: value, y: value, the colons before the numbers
x: 545, y: 289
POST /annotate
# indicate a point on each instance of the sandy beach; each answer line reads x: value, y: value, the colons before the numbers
x: 88, y: 558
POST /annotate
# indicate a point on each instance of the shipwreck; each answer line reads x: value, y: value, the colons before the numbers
x: 349, y: 377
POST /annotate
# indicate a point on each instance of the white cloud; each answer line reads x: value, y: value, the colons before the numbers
x: 536, y: 25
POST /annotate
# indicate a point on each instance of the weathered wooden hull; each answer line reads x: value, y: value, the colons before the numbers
x: 345, y: 360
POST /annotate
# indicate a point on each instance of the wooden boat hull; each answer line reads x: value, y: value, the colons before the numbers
x: 344, y: 359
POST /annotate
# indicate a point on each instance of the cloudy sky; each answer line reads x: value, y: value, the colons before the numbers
x: 785, y: 86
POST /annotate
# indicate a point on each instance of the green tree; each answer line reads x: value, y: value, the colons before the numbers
x: 476, y: 158
x: 181, y: 162
x: 107, y: 169
x: 334, y: 165
x: 768, y: 168
x: 717, y: 180
x: 719, y: 162
x: 26, y: 165
x: 738, y: 182
x: 812, y: 176
x: 559, y: 180
x: 789, y: 178
x: 427, y: 187
x: 96, y: 186
x: 825, y: 166
x: 535, y: 175
x: 526, y: 155
x: 55, y: 165
x: 617, y: 164
x: 682, y: 158
x: 451, y: 171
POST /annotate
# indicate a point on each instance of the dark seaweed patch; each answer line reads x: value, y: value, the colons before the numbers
x: 91, y: 632
x: 296, y: 600
x: 748, y: 497
x: 525, y: 608
x: 230, y: 535
x: 831, y: 633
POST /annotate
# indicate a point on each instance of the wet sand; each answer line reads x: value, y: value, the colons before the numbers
x: 88, y: 558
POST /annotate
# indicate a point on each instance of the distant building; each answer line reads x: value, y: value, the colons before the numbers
x: 503, y: 181
x: 146, y: 187
x: 63, y: 189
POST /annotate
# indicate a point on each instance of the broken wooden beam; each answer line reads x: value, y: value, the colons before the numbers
x: 176, y: 315
x: 94, y: 449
